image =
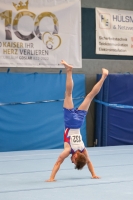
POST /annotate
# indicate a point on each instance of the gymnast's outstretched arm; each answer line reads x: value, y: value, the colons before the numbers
x: 90, y: 165
x: 59, y: 161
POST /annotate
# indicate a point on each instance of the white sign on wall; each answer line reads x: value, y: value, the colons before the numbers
x: 36, y: 33
x: 114, y: 32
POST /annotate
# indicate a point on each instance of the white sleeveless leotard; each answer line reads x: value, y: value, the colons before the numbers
x: 74, y: 138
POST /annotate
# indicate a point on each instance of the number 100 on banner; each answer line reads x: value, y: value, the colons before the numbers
x: 37, y: 34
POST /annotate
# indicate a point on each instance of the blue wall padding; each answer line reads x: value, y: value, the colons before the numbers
x: 105, y: 112
x: 117, y: 123
x: 98, y: 113
x: 35, y: 126
x: 120, y: 120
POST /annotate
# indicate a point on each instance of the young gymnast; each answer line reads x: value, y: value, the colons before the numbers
x: 73, y: 119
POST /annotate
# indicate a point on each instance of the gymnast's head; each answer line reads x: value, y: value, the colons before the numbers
x: 79, y: 160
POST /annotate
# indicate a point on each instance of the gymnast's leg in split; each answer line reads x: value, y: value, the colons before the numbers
x: 95, y: 90
x: 68, y: 101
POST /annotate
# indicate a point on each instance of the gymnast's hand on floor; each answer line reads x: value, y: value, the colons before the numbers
x: 50, y: 180
x: 95, y: 177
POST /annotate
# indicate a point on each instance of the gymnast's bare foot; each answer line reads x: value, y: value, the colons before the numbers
x: 67, y: 66
x: 105, y: 72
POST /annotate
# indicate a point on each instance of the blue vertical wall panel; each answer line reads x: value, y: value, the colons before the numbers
x: 116, y: 123
x: 98, y: 114
x: 120, y: 120
x: 40, y: 125
x: 105, y: 124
